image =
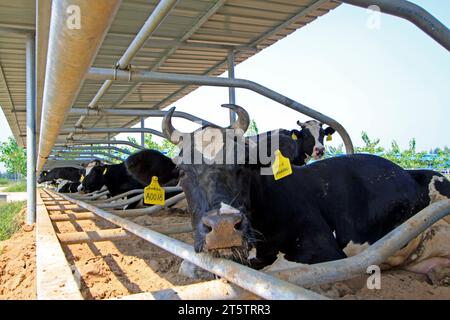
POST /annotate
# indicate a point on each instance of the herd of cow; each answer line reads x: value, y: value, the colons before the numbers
x: 323, y: 211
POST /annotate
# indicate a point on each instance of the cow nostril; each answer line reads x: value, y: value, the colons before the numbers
x: 238, y: 225
x: 207, y: 227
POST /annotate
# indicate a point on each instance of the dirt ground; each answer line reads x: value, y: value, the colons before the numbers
x: 114, y: 269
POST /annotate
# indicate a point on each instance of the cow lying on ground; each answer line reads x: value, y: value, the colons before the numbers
x: 311, y: 215
x: 117, y: 179
x: 66, y: 186
x: 64, y: 173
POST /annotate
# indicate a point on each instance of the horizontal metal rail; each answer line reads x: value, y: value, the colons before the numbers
x: 118, y: 204
x: 150, y: 76
x: 413, y: 13
x: 150, y: 210
x: 122, y: 195
x: 98, y: 141
x: 89, y: 148
x: 254, y: 281
x: 111, y: 130
x: 137, y: 113
x: 61, y: 153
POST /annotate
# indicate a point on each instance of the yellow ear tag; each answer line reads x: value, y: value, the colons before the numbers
x: 281, y: 167
x: 104, y: 171
x: 81, y: 178
x: 154, y: 194
x: 329, y: 137
x: 294, y: 136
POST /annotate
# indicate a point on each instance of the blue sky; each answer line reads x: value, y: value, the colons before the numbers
x: 392, y: 82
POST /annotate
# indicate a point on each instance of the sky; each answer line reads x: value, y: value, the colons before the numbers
x: 373, y: 73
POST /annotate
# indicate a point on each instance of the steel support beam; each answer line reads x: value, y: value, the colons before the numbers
x: 83, y: 142
x: 231, y: 90
x: 61, y: 153
x: 413, y: 13
x: 149, y: 76
x: 71, y: 51
x: 154, y: 20
x: 31, y: 128
x: 139, y: 113
x: 113, y: 130
x: 143, y: 132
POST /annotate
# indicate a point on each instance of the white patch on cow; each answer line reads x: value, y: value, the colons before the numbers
x: 89, y: 167
x: 62, y: 184
x: 281, y: 264
x: 433, y: 192
x: 226, y: 209
x: 252, y: 254
x: 209, y: 142
x: 314, y: 127
x: 80, y: 187
x: 334, y: 234
x: 352, y: 249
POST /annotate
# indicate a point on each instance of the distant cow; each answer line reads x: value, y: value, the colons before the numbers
x: 311, y: 215
x: 64, y: 173
x: 299, y: 146
x: 65, y: 186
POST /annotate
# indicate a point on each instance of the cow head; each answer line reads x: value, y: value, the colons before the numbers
x: 94, y: 178
x: 217, y: 191
x: 311, y: 137
x: 43, y: 177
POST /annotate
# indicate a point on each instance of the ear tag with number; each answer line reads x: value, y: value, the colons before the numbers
x: 329, y: 137
x: 81, y: 178
x: 281, y: 166
x: 294, y: 136
x: 104, y: 171
x: 154, y: 194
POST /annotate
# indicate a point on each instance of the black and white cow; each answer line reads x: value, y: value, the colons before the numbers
x: 311, y: 215
x: 299, y: 146
x: 64, y: 173
x: 66, y: 186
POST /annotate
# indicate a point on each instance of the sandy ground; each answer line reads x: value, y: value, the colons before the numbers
x: 118, y: 268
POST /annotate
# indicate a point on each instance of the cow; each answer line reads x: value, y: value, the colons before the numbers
x: 66, y: 186
x: 118, y: 180
x: 311, y: 215
x: 65, y: 173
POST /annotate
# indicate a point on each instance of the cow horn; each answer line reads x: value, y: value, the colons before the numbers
x: 171, y: 134
x: 243, y: 119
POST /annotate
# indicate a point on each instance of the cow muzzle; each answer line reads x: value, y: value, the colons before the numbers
x: 318, y: 152
x: 223, y: 230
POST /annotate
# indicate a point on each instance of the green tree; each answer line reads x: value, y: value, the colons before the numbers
x: 371, y: 146
x: 14, y: 157
x: 252, y: 129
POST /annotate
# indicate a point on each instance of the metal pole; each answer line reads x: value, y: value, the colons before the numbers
x: 31, y: 128
x: 142, y: 132
x: 413, y: 13
x: 151, y: 76
x: 231, y: 90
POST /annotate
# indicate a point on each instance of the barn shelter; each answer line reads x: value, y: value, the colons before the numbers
x: 75, y: 73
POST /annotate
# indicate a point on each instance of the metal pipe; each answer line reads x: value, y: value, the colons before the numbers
x: 413, y: 13
x: 131, y: 200
x: 113, y: 130
x: 31, y: 128
x: 60, y: 153
x: 100, y: 141
x: 154, y: 20
x: 149, y: 210
x: 376, y: 254
x: 138, y: 113
x: 254, y: 281
x: 122, y: 195
x: 145, y: 76
x: 83, y: 148
x: 143, y: 132
x: 71, y: 51
x: 231, y: 90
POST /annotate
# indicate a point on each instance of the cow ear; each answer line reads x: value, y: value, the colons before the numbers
x: 329, y: 131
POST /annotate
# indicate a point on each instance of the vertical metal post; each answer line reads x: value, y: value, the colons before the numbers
x: 142, y: 133
x: 31, y: 128
x: 231, y: 90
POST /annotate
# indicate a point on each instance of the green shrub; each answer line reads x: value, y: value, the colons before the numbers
x: 9, y: 218
x: 17, y: 187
